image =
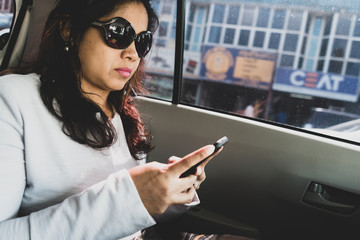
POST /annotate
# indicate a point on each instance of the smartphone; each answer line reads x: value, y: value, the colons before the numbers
x: 218, y: 144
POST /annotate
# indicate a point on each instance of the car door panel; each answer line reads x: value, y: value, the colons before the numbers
x: 262, y: 174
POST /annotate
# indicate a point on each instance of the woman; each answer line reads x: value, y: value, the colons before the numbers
x: 72, y: 146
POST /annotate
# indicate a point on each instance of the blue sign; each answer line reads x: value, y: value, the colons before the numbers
x: 316, y: 84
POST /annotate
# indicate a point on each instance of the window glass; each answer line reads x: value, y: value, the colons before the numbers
x: 309, y: 64
x: 244, y: 37
x: 233, y: 14
x: 197, y: 35
x: 291, y: 41
x: 320, y: 66
x: 6, y: 17
x: 317, y: 27
x: 274, y: 40
x: 335, y: 66
x: 343, y: 26
x: 355, y: 49
x: 259, y: 39
x: 295, y: 20
x: 353, y: 69
x: 339, y: 47
x: 192, y: 13
x: 159, y: 63
x: 263, y: 17
x: 287, y: 61
x: 278, y: 19
x: 328, y: 26
x: 313, y: 46
x: 163, y: 28
x: 248, y: 16
x: 214, y: 36
x: 200, y: 16
x: 246, y: 53
x: 219, y: 12
x: 229, y: 35
x: 167, y: 8
x: 357, y: 27
x: 324, y: 45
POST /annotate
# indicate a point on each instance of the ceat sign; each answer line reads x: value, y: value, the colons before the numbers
x: 344, y: 88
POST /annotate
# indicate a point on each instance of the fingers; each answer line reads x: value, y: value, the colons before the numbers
x: 185, y: 197
x: 201, y: 167
x: 191, y: 159
x: 173, y: 159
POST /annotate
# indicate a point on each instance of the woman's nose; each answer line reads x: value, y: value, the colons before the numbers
x: 130, y: 52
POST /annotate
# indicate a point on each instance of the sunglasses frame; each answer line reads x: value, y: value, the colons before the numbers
x: 133, y: 37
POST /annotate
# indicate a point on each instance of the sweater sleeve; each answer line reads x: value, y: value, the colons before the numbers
x: 110, y: 209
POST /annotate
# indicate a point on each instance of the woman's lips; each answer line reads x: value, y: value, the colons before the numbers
x: 124, y: 72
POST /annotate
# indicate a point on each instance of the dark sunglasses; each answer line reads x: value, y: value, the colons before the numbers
x: 119, y: 34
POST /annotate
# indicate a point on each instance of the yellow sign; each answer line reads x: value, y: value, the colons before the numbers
x: 253, y: 69
x: 218, y: 60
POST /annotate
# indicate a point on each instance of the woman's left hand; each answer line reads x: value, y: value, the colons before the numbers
x: 200, y: 170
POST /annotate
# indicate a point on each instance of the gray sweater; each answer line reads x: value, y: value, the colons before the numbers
x: 54, y: 188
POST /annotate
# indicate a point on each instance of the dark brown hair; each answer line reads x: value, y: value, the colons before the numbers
x: 82, y: 119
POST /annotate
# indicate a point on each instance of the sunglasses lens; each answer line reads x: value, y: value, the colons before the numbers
x: 120, y: 35
x: 143, y: 43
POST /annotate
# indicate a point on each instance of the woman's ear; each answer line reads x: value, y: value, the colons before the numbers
x: 65, y: 29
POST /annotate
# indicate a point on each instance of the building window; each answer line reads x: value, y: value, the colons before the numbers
x: 328, y: 26
x: 295, y: 20
x: 215, y: 34
x: 244, y: 37
x: 309, y: 65
x: 167, y: 7
x: 219, y: 13
x: 353, y: 69
x: 335, y: 66
x: 163, y: 29
x: 324, y: 45
x: 287, y: 60
x: 259, y: 39
x: 317, y: 27
x: 339, y: 47
x: 320, y: 65
x: 278, y: 19
x: 274, y: 40
x: 263, y: 17
x: 248, y: 16
x: 355, y: 49
x: 188, y: 33
x: 229, y: 36
x: 233, y: 15
x: 291, y: 41
x: 343, y: 26
x: 357, y: 27
x: 312, y: 51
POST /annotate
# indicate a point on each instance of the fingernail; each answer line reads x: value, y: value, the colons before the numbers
x: 198, y: 171
x: 210, y: 149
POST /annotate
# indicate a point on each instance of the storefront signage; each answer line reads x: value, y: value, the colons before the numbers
x: 324, y: 85
x: 243, y: 67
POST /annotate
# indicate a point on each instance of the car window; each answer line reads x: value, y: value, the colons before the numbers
x: 287, y: 62
x: 6, y: 18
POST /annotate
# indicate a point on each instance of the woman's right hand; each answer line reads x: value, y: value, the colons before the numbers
x: 160, y: 186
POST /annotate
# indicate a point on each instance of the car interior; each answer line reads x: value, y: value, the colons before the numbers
x: 273, y: 180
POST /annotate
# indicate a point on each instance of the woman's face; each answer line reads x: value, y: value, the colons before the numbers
x: 105, y: 69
